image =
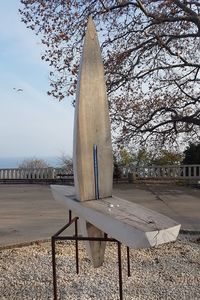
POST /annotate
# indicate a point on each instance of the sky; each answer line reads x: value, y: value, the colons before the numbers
x: 32, y: 124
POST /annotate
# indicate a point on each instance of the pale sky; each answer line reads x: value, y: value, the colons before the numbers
x: 32, y: 123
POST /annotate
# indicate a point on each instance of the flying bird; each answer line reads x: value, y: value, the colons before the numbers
x: 18, y: 90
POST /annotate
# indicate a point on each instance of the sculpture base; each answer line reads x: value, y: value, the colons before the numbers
x: 133, y: 225
x: 77, y: 238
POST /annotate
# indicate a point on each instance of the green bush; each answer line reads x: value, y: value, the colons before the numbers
x: 192, y: 154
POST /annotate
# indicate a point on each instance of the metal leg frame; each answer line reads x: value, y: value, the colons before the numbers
x: 77, y: 238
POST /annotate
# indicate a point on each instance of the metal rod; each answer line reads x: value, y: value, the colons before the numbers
x: 96, y: 171
x: 84, y: 238
x: 77, y: 238
x: 76, y: 244
x: 53, y: 248
x: 64, y: 227
x: 128, y: 261
x: 70, y: 215
x: 120, y: 270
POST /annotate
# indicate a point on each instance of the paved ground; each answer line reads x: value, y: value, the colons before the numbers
x: 180, y: 203
x: 29, y: 212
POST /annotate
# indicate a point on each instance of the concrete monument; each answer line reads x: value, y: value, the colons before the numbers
x: 91, y: 199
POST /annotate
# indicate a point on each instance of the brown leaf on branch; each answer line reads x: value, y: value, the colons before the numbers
x: 151, y: 52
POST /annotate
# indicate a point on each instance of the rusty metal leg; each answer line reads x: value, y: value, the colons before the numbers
x: 77, y: 238
x: 128, y: 261
x: 120, y: 271
x: 70, y: 215
x: 53, y: 248
x: 76, y: 244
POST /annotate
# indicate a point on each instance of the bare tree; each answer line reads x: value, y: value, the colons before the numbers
x: 33, y: 163
x: 151, y: 51
x: 66, y: 163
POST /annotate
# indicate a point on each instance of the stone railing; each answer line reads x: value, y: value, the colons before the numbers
x: 171, y: 171
x: 43, y: 173
x: 145, y: 172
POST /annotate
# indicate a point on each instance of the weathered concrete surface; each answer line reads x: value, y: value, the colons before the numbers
x: 92, y: 128
x: 29, y: 212
x: 91, y: 123
x: 131, y: 224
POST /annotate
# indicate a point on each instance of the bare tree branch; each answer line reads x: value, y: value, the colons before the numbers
x: 151, y: 51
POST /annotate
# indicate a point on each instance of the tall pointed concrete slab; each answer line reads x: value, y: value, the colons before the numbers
x: 91, y: 199
x: 91, y: 124
x: 92, y: 133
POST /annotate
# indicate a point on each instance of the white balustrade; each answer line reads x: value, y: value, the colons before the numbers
x: 171, y: 171
x: 36, y: 174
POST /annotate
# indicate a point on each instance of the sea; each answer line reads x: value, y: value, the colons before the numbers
x: 14, y: 162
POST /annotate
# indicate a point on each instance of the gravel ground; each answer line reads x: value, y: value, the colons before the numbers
x: 170, y: 271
